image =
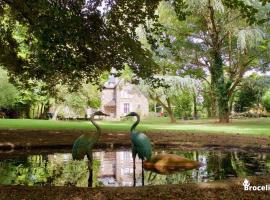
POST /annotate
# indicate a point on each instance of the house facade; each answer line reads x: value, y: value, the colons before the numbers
x: 118, y: 98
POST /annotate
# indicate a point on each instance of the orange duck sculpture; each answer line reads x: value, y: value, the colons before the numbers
x: 169, y: 163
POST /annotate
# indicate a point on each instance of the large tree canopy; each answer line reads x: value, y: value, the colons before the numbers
x: 65, y: 41
x: 69, y: 41
x: 212, y: 38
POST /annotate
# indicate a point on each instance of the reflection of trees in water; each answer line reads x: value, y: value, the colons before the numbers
x: 247, y: 165
x: 219, y: 165
x: 267, y: 158
x: 35, y: 170
x: 59, y: 169
x: 236, y: 164
x: 159, y: 179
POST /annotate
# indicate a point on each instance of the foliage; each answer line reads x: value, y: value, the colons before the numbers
x: 208, y: 102
x: 183, y: 103
x: 37, y: 170
x: 74, y: 104
x: 251, y: 92
x: 172, y: 94
x: 217, y: 38
x: 9, y: 93
x: 266, y: 100
x: 70, y: 41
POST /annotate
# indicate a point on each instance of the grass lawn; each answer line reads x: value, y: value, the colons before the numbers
x: 245, y: 126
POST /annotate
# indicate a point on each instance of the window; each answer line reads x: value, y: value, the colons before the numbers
x: 126, y: 155
x: 126, y: 108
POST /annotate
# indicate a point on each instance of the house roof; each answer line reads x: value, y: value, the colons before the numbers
x: 111, y: 83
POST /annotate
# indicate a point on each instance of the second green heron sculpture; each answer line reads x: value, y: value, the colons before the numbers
x: 140, y: 145
x: 84, y: 144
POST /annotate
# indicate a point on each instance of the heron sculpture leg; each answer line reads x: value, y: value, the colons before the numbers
x: 134, y: 170
x: 90, y: 168
x: 142, y: 174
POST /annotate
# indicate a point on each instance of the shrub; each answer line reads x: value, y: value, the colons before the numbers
x: 266, y: 101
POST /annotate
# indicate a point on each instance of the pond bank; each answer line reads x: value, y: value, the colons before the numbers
x: 231, y: 189
x: 41, y: 139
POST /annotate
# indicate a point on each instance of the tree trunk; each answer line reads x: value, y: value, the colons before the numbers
x: 209, y: 113
x: 213, y: 104
x: 56, y: 113
x: 171, y: 115
x: 223, y: 107
x: 28, y: 111
x: 41, y: 111
x: 45, y: 110
x: 231, y: 103
x: 170, y: 111
x: 195, y: 111
x: 221, y: 89
x: 167, y: 107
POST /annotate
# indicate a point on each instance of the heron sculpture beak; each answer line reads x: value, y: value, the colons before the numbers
x: 102, y: 113
x: 128, y: 115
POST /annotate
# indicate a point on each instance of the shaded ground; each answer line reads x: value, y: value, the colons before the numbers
x: 41, y: 139
x: 216, y: 190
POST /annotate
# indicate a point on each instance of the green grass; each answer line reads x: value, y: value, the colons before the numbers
x: 249, y: 126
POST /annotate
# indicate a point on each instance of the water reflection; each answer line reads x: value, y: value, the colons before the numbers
x: 116, y: 169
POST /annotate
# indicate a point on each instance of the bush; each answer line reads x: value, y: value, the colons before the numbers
x: 183, y: 104
x: 266, y: 101
x: 9, y: 93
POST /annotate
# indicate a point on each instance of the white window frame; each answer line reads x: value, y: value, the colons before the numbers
x: 128, y: 108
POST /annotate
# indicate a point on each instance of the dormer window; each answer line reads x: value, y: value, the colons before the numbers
x: 111, y: 79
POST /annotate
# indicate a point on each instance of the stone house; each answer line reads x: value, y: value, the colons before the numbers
x: 118, y: 98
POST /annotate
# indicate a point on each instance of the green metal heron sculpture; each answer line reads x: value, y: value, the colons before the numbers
x: 84, y: 144
x: 140, y: 145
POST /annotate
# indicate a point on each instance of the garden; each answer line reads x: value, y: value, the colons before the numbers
x: 134, y: 99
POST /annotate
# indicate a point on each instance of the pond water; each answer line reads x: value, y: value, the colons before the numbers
x: 115, y: 168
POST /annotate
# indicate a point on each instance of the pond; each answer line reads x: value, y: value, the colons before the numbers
x: 115, y: 168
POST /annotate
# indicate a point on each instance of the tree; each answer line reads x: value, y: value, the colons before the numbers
x: 32, y: 99
x: 24, y: 99
x: 167, y: 94
x: 266, y: 101
x: 251, y: 92
x: 9, y: 93
x: 183, y: 103
x: 69, y: 41
x: 74, y: 104
x: 215, y: 38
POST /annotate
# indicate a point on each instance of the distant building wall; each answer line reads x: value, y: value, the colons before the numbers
x: 129, y: 99
x: 121, y: 98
